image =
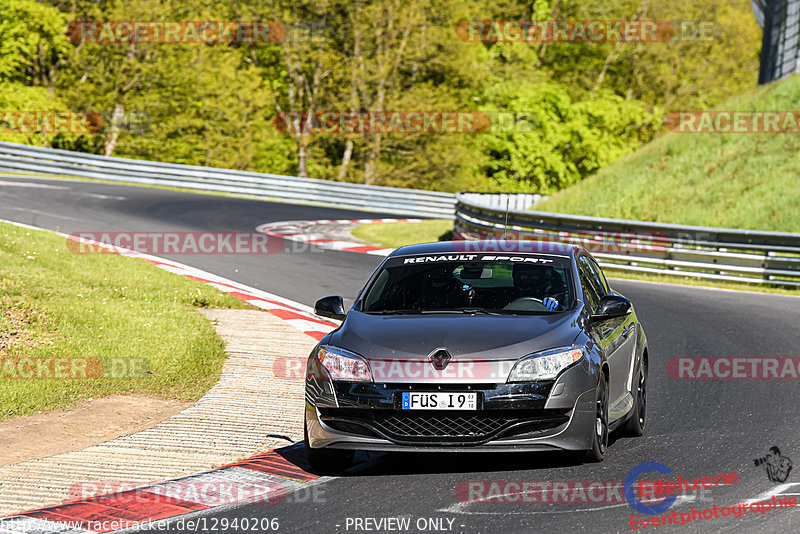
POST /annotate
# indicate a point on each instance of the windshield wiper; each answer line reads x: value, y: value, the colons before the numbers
x: 482, y: 311
x: 395, y: 312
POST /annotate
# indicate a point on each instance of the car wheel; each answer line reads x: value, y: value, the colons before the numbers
x: 326, y: 460
x: 635, y: 425
x: 600, y: 427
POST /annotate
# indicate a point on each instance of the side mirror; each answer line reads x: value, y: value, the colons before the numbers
x: 612, y: 306
x: 332, y: 307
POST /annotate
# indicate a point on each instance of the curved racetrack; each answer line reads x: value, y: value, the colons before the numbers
x: 697, y: 428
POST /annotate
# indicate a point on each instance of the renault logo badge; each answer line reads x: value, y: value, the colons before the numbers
x: 439, y: 359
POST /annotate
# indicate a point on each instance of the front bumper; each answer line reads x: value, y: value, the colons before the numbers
x: 553, y: 415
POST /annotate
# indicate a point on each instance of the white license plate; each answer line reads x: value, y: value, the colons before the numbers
x: 440, y: 401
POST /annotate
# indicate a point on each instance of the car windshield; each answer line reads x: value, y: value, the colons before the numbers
x: 434, y: 284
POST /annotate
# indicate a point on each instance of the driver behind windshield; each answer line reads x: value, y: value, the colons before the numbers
x: 537, y: 281
x: 499, y: 287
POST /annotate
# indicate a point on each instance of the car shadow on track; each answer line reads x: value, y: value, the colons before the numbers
x: 407, y: 463
x: 370, y: 463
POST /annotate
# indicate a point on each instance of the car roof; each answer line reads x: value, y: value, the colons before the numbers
x: 491, y: 246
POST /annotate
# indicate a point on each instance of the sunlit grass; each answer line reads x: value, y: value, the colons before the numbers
x: 397, y: 234
x: 56, y: 304
x: 745, y: 180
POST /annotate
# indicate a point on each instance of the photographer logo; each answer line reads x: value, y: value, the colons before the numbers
x: 777, y: 466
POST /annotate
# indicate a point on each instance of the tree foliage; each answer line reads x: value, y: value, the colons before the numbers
x: 576, y: 107
x: 554, y: 141
x: 33, y: 42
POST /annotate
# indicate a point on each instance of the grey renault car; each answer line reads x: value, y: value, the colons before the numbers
x: 477, y: 346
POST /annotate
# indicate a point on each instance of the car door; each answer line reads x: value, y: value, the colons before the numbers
x: 614, y: 336
x: 629, y: 332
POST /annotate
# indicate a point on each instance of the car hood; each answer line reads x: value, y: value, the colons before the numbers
x: 483, y: 337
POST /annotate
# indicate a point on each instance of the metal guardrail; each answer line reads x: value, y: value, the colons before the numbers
x: 701, y: 252
x: 514, y: 201
x: 23, y: 158
x: 771, y: 258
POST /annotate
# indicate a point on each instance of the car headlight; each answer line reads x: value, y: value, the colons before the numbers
x: 344, y: 365
x: 544, y: 365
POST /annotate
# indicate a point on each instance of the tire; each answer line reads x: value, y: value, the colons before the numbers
x: 635, y: 425
x: 326, y: 460
x: 600, y: 429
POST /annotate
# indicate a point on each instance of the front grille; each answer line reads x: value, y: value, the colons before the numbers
x: 427, y: 426
x: 442, y: 427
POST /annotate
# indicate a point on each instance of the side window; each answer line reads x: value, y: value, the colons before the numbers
x: 590, y: 292
x: 601, y: 277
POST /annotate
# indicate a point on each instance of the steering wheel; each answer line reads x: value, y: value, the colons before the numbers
x: 526, y: 304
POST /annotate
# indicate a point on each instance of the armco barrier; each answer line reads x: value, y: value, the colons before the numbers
x: 700, y: 252
x: 696, y: 251
x: 23, y: 158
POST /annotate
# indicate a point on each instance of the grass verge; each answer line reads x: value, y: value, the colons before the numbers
x: 135, y: 318
x: 691, y: 281
x: 397, y: 234
x: 393, y: 235
x: 736, y: 180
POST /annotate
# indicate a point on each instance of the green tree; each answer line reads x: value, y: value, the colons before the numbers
x: 554, y: 141
x: 33, y: 42
x: 584, y: 104
x: 33, y: 45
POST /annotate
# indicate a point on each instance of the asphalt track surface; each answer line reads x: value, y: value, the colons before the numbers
x: 695, y: 427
